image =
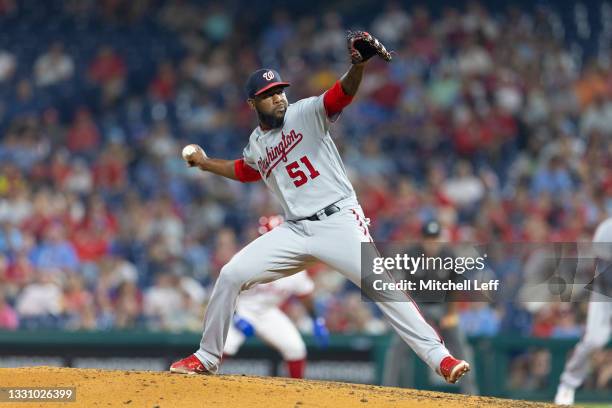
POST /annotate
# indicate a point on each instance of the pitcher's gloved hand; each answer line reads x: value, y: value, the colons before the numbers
x: 320, y: 332
x: 362, y: 46
x: 244, y: 326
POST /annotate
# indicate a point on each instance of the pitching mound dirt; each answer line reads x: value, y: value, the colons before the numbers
x: 101, y: 388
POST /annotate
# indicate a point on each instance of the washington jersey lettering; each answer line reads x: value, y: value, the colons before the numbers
x: 299, y: 161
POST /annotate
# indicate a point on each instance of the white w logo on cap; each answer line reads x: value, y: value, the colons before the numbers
x: 268, y: 75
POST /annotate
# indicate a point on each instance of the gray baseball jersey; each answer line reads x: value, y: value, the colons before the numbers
x: 299, y: 162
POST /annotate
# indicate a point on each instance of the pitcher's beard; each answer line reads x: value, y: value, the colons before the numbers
x: 270, y: 121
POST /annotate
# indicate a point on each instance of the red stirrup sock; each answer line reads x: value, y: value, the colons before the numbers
x: 296, y: 368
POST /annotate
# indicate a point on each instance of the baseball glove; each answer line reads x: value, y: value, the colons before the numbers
x: 362, y: 46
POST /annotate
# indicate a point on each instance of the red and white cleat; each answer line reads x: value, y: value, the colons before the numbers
x: 189, y: 365
x: 452, y: 369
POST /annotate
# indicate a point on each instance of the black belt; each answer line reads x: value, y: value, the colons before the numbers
x: 329, y: 210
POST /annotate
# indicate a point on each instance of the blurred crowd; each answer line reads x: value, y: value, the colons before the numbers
x: 492, y: 123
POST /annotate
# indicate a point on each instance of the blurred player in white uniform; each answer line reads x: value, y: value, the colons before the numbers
x: 599, y: 319
x: 258, y: 313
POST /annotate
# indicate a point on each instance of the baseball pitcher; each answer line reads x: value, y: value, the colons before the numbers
x: 293, y: 153
x: 599, y: 319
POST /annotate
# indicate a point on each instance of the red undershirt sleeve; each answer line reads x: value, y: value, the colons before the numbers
x: 245, y: 173
x: 335, y: 100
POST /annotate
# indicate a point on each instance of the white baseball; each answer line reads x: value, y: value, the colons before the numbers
x: 188, y: 151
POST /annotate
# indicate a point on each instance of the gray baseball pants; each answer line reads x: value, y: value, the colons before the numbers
x: 596, y: 336
x: 289, y: 248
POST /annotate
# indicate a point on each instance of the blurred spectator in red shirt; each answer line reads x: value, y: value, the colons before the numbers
x: 470, y: 134
x: 92, y: 236
x: 98, y: 216
x: 90, y: 244
x: 20, y: 272
x: 163, y: 87
x: 107, y: 67
x: 110, y: 171
x: 8, y: 316
x: 108, y: 70
x: 83, y: 135
x: 544, y: 322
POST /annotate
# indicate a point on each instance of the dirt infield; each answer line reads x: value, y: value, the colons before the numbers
x: 100, y: 388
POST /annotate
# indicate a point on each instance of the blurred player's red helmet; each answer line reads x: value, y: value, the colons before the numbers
x: 267, y: 224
